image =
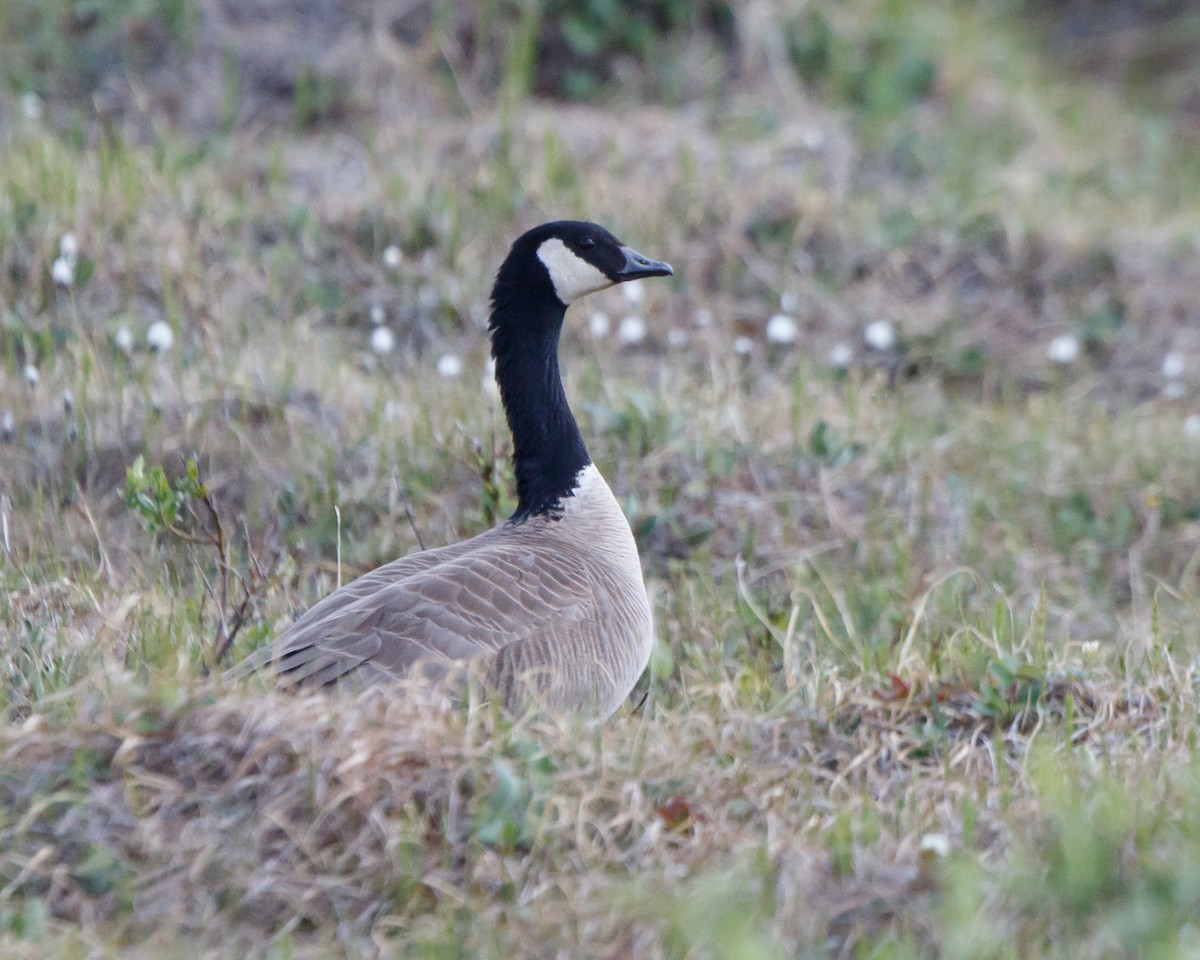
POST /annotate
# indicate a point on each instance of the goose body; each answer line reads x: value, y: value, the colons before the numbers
x: 551, y: 606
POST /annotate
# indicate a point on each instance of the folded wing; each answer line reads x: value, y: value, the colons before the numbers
x: 515, y: 606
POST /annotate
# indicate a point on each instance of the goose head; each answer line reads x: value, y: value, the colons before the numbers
x: 568, y: 259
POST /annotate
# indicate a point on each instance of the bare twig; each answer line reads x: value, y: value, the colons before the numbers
x: 412, y: 523
x: 231, y: 614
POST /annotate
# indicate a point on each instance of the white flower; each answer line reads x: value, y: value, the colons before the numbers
x: 788, y: 302
x: 123, y: 339
x: 599, y: 325
x: 935, y: 843
x: 632, y: 330
x: 743, y: 346
x: 31, y: 375
x: 377, y: 314
x: 62, y: 272
x: 31, y: 106
x: 703, y: 317
x: 813, y: 138
x: 392, y: 257
x: 1191, y: 426
x: 449, y: 365
x: 880, y: 335
x: 634, y: 292
x: 68, y: 248
x: 841, y: 355
x: 68, y: 401
x: 160, y: 336
x: 8, y: 425
x: 677, y: 337
x: 1173, y: 365
x: 383, y: 341
x: 1063, y: 350
x: 782, y: 329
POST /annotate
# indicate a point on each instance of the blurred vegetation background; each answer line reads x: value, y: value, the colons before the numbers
x: 1077, y: 119
x: 582, y: 50
x: 575, y: 49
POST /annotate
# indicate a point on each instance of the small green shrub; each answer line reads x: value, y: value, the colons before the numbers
x: 184, y: 511
x: 589, y: 35
x: 159, y: 501
x: 572, y: 49
x: 881, y: 69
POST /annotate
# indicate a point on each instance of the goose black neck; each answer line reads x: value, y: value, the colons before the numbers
x: 548, y: 450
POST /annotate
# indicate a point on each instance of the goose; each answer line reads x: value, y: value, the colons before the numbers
x: 548, y: 608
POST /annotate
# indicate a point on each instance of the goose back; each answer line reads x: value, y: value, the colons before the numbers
x: 552, y: 609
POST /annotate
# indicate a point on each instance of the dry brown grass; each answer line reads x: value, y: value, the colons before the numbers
x: 229, y: 819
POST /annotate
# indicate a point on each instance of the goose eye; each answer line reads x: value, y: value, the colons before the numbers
x: 587, y: 243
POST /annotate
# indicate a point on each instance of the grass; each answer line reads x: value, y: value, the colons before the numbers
x: 925, y: 673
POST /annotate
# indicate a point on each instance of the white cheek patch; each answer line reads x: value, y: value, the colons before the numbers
x: 572, y: 276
